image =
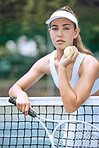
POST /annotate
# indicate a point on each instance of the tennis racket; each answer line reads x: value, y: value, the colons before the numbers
x: 68, y: 133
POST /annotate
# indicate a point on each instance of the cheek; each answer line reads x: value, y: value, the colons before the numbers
x: 69, y: 39
x: 52, y: 36
x: 70, y: 36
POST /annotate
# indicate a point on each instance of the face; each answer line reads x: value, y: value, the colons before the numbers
x: 62, y: 33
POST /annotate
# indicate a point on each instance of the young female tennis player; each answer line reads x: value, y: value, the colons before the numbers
x: 76, y: 76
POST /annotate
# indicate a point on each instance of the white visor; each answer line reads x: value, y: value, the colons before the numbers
x: 62, y: 14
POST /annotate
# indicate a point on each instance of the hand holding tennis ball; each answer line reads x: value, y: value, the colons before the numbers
x: 67, y: 51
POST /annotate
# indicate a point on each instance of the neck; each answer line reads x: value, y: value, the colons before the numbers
x: 59, y: 54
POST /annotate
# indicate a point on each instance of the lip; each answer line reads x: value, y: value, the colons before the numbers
x: 60, y: 41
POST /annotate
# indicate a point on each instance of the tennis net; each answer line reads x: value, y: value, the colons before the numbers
x: 18, y: 130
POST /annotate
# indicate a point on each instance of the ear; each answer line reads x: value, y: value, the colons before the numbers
x: 49, y: 30
x: 76, y: 33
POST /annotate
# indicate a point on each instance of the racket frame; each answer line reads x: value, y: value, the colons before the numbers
x: 39, y: 118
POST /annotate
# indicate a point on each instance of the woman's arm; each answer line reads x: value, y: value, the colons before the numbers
x: 40, y: 68
x: 73, y: 98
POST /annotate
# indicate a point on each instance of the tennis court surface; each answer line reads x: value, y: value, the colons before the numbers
x: 20, y: 131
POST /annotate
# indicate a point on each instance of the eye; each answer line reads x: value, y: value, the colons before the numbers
x: 54, y: 28
x: 66, y: 28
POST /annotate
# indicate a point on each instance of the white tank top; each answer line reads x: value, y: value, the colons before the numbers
x: 73, y: 82
x: 75, y: 76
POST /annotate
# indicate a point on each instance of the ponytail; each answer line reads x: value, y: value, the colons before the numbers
x: 77, y: 42
x: 81, y: 48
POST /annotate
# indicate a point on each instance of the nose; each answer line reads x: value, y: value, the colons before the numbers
x: 60, y: 32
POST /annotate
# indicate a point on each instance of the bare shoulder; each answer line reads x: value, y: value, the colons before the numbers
x: 44, y: 61
x: 42, y: 65
x: 90, y: 64
x: 90, y: 60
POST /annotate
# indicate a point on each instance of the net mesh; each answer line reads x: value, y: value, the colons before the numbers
x: 18, y: 130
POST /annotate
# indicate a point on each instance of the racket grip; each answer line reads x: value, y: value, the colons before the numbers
x: 12, y: 100
x: 30, y: 111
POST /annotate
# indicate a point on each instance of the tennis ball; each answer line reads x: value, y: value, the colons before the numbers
x: 67, y: 51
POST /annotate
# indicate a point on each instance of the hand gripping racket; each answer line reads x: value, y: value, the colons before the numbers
x: 68, y: 133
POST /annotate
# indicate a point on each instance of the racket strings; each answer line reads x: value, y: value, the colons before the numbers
x: 17, y: 131
x: 81, y: 136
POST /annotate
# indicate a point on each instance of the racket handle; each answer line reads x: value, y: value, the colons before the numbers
x: 12, y: 100
x: 30, y: 111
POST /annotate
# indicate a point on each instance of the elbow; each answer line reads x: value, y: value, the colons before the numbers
x: 70, y: 104
x: 70, y: 109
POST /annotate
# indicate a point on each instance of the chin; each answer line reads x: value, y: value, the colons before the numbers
x: 60, y: 48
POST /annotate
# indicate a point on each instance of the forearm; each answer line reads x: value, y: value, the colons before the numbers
x: 68, y: 95
x: 16, y: 90
x: 23, y: 103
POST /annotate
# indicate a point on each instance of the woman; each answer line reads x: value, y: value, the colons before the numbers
x: 76, y: 76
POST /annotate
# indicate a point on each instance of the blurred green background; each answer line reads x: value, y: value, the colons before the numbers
x: 24, y: 37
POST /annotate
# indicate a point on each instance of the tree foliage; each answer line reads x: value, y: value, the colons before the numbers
x: 19, y: 17
x: 27, y: 17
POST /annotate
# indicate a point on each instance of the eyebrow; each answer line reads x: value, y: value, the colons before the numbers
x: 62, y: 25
x: 66, y: 25
x: 54, y: 26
